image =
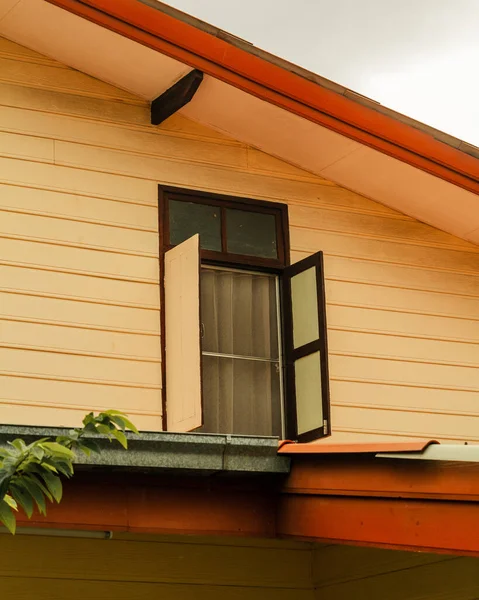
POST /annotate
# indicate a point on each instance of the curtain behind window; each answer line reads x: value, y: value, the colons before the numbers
x: 239, y: 317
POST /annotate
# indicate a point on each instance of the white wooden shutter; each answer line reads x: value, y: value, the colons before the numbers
x: 183, y: 344
x: 306, y: 350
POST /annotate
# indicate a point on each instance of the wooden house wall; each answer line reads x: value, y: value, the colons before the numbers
x: 79, y: 297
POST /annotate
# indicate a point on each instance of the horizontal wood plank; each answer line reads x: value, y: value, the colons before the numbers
x: 82, y: 287
x: 31, y: 392
x: 373, y: 226
x: 46, y: 589
x: 395, y: 346
x: 310, y: 240
x: 401, y: 299
x: 138, y: 561
x: 456, y: 579
x: 392, y: 322
x: 77, y: 234
x: 80, y: 260
x: 340, y: 563
x: 155, y: 142
x: 26, y: 147
x: 70, y: 312
x: 50, y: 363
x: 60, y: 80
x: 79, y: 340
x: 405, y: 423
x: 76, y: 181
x: 404, y: 372
x: 60, y: 416
x: 32, y: 201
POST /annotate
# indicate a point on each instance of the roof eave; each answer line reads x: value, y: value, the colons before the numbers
x: 281, y: 85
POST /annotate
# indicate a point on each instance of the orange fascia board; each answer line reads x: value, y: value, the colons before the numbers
x: 418, y: 525
x: 279, y: 86
x: 161, y: 505
x: 363, y: 475
x: 359, y: 499
x: 290, y: 448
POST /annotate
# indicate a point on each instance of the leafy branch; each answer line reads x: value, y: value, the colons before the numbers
x: 31, y: 474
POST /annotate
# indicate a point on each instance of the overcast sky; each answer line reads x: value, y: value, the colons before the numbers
x: 419, y: 57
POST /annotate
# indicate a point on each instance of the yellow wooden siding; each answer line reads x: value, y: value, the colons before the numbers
x: 79, y: 301
x: 143, y: 567
x: 344, y: 572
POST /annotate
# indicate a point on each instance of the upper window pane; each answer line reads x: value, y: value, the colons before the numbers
x: 251, y: 233
x: 188, y: 218
x: 304, y: 298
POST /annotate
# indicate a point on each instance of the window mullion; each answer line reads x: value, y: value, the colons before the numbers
x: 224, y: 242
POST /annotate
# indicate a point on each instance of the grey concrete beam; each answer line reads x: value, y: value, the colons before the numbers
x: 172, y: 452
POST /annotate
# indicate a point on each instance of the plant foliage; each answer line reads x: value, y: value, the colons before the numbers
x: 31, y: 474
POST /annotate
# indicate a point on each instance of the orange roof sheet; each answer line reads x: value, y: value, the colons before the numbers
x: 288, y: 448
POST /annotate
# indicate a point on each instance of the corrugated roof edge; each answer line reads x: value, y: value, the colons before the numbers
x: 439, y: 135
x: 196, y: 453
x: 290, y: 448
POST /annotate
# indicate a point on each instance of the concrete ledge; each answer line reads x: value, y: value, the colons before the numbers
x: 198, y: 453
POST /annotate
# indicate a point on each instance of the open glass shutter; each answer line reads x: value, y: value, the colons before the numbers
x: 183, y: 344
x: 306, y: 350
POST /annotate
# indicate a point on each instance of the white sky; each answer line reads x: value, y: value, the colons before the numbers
x: 419, y: 57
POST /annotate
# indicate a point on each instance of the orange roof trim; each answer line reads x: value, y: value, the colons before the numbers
x: 289, y: 448
x: 236, y: 66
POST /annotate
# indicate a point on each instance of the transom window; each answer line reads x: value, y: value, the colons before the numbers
x: 234, y: 309
x: 231, y: 231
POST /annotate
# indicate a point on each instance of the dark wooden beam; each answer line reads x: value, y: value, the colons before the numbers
x: 175, y: 97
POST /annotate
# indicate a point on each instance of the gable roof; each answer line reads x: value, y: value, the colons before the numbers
x: 145, y: 46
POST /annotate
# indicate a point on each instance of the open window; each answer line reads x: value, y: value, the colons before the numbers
x: 245, y: 333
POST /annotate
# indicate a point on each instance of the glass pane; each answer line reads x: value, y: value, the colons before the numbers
x: 251, y: 233
x: 304, y: 298
x: 241, y: 397
x: 188, y: 218
x: 239, y: 313
x: 309, y: 406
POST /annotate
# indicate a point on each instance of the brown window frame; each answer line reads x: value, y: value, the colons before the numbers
x: 277, y: 266
x: 276, y: 209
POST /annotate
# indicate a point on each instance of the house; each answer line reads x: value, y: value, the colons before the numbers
x: 317, y: 259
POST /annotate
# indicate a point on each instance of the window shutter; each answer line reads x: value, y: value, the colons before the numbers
x: 182, y: 344
x: 306, y: 350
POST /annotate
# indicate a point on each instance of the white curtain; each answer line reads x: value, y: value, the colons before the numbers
x: 239, y: 318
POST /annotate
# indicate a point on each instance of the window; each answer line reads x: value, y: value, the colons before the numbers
x: 245, y: 334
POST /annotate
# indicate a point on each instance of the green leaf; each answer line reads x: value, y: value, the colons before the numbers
x: 5, y: 477
x: 64, y: 467
x: 63, y: 440
x: 38, y: 453
x: 7, y: 517
x: 59, y: 450
x: 121, y: 437
x: 33, y: 476
x: 91, y: 445
x: 54, y: 484
x: 90, y: 428
x: 10, y: 501
x: 36, y: 493
x: 108, y: 431
x: 19, y: 445
x: 124, y: 423
x: 23, y: 498
x: 88, y: 419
